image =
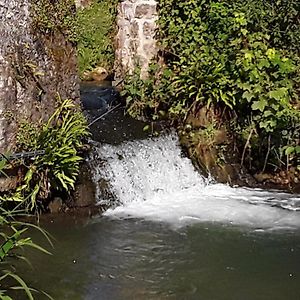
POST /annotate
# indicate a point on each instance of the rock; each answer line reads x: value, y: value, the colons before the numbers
x: 35, y: 67
x: 55, y: 206
x: 98, y: 74
x: 82, y: 3
x: 85, y: 189
x: 145, y: 10
x: 261, y: 177
x: 95, y: 97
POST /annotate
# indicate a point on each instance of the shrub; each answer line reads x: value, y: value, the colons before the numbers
x: 95, y: 31
x: 242, y: 56
x: 57, y: 169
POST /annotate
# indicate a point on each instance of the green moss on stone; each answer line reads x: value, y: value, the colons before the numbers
x: 55, y: 16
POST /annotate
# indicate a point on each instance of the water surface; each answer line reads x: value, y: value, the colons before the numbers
x: 170, y: 233
x: 136, y: 259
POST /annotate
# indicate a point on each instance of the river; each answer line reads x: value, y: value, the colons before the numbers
x: 170, y: 233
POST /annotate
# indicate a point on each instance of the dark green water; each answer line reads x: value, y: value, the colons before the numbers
x: 135, y: 259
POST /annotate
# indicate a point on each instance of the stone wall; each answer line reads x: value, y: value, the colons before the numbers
x: 34, y: 68
x: 135, y: 41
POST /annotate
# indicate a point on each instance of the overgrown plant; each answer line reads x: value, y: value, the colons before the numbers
x: 13, y: 237
x: 95, y: 34
x: 224, y: 53
x: 57, y: 169
x: 50, y: 17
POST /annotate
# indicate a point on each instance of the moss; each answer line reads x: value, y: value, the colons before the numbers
x: 92, y: 28
x: 95, y: 33
x: 55, y: 16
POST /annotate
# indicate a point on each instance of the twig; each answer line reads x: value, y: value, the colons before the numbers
x: 268, y: 152
x: 246, y: 146
x: 103, y: 115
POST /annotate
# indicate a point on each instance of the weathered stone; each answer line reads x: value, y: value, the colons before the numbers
x: 98, y: 74
x: 126, y: 9
x: 135, y: 28
x: 145, y: 11
x: 82, y: 3
x: 34, y: 69
x: 135, y: 41
x: 212, y: 149
x: 85, y: 189
x: 148, y: 50
x: 149, y: 29
x: 134, y: 44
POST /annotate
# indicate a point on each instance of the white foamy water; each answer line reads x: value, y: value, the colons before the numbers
x: 151, y: 179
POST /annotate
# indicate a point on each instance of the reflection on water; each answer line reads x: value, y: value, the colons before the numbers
x: 135, y: 259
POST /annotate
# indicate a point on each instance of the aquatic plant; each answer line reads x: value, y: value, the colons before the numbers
x: 13, y: 237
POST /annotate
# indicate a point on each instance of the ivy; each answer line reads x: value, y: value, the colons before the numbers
x: 242, y: 55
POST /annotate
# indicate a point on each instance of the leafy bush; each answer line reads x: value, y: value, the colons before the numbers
x: 95, y: 31
x: 238, y: 55
x: 57, y: 169
x: 13, y: 238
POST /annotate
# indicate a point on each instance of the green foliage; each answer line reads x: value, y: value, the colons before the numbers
x: 55, y: 16
x: 61, y: 139
x: 238, y: 55
x: 148, y: 98
x: 95, y: 33
x: 91, y: 28
x: 13, y: 237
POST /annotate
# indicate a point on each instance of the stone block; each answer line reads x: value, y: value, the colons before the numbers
x: 149, y: 49
x: 145, y: 11
x: 135, y: 28
x: 126, y: 10
x: 149, y: 28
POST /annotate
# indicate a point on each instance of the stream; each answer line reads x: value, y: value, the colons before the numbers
x: 170, y: 233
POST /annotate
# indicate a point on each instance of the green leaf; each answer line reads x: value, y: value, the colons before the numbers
x: 248, y: 95
x: 259, y: 105
x: 289, y: 150
x: 146, y: 128
x: 278, y: 94
x: 297, y: 149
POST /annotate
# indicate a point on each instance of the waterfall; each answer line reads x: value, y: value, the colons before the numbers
x: 152, y: 179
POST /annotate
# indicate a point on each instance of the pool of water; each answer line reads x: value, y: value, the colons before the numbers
x: 135, y: 259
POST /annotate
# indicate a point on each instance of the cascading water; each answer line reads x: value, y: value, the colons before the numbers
x: 151, y: 179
